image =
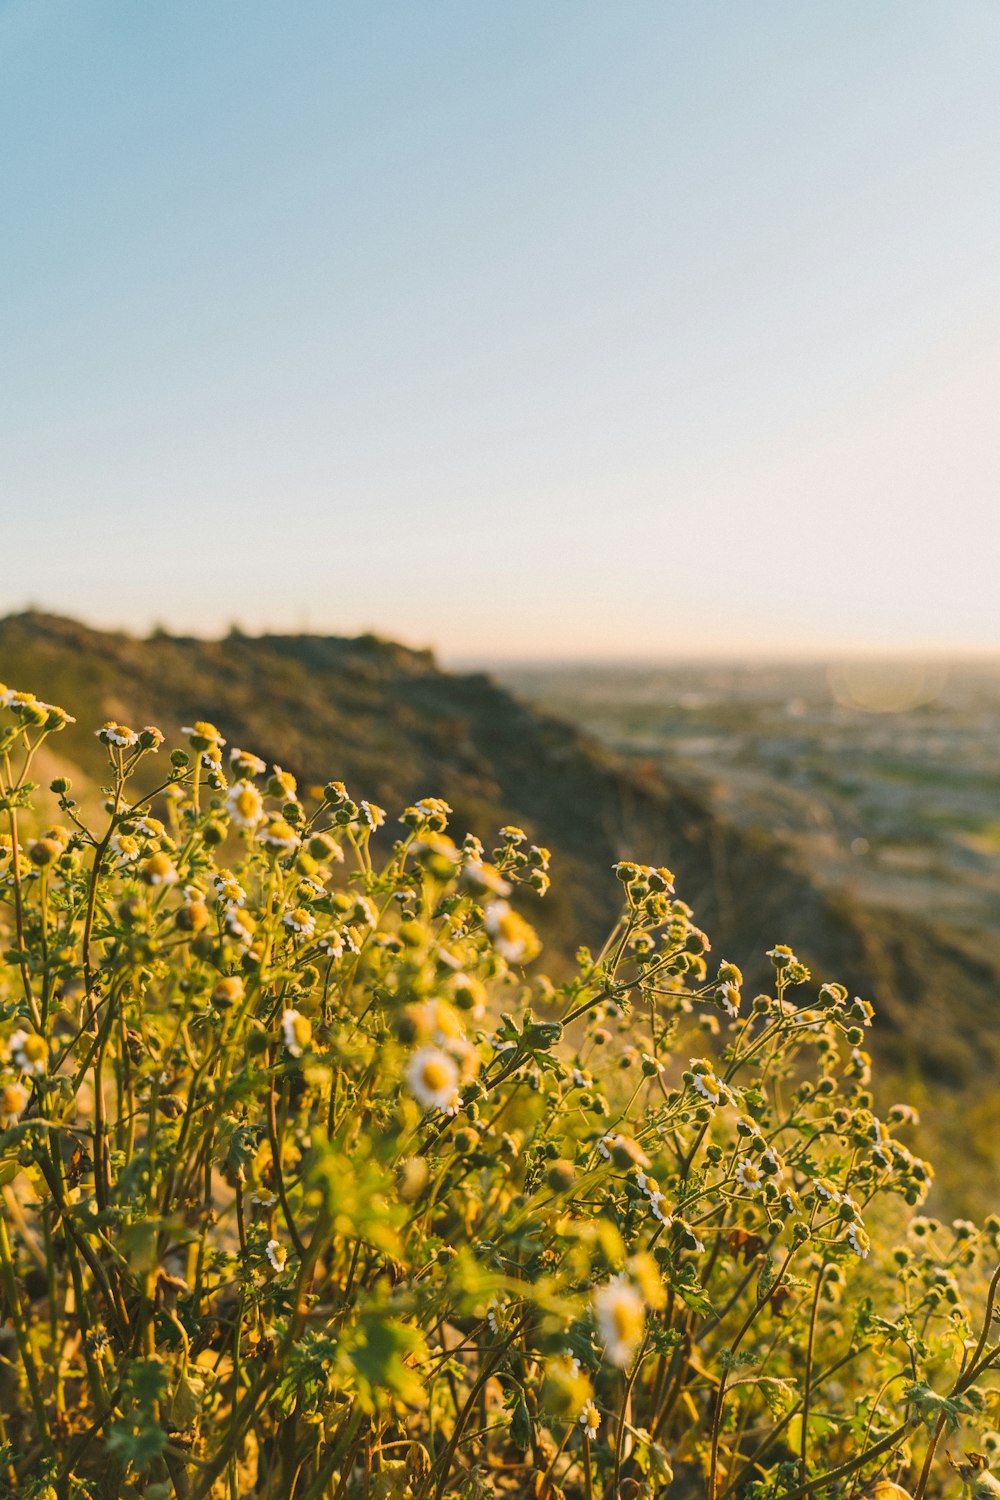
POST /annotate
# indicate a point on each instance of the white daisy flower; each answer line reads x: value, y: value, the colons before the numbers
x: 365, y: 911
x: 494, y: 1313
x: 505, y: 928
x: 709, y: 1087
x: 332, y: 944
x: 276, y: 1254
x: 279, y: 835
x: 13, y: 1099
x: 117, y: 734
x: 858, y: 1241
x: 485, y: 877
x: 689, y: 1240
x: 29, y: 1052
x: 159, y: 869
x: 372, y: 815
x: 125, y: 848
x: 225, y: 884
x: 296, y: 1031
x: 300, y: 921
x: 239, y: 925
x: 621, y: 1319
x: 590, y: 1420
x: 729, y: 998
x: 657, y: 1204
x: 246, y: 764
x: 749, y: 1175
x: 432, y: 1077
x: 244, y: 804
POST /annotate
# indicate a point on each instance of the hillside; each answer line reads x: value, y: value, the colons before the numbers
x: 389, y: 723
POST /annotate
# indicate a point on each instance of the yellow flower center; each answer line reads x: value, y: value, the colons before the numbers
x: 435, y: 1074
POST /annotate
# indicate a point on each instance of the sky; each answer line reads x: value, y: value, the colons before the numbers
x: 518, y: 328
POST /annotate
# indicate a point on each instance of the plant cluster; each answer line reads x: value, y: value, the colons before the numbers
x: 314, y: 1187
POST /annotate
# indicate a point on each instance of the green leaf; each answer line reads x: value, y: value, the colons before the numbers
x: 378, y: 1357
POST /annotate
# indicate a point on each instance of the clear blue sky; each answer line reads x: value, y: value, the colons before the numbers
x: 552, y: 328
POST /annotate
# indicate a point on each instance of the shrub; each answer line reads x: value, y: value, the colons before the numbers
x: 313, y: 1187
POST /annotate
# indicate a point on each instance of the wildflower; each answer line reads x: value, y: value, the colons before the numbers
x: 604, y: 1145
x: 566, y: 1390
x: 276, y: 1254
x: 296, y: 1032
x: 709, y: 1087
x: 203, y: 736
x: 239, y: 924
x: 243, y: 763
x: 651, y: 1065
x: 590, y: 1420
x: 485, y: 877
x: 225, y: 881
x: 228, y: 991
x: 43, y: 852
x: 118, y: 735
x: 749, y: 1176
x: 262, y: 1199
x: 858, y: 1241
x: 279, y: 835
x: 781, y: 956
x: 513, y: 939
x: 433, y: 1080
x: 657, y: 1205
x: 332, y: 944
x: 29, y: 1052
x: 364, y: 911
x: 689, y: 1240
x: 159, y: 870
x: 372, y: 815
x: 621, y: 1319
x: 244, y: 804
x: 13, y: 1098
x: 494, y: 1313
x: 513, y: 835
x: 150, y: 738
x: 728, y: 997
x: 125, y: 848
x: 301, y: 922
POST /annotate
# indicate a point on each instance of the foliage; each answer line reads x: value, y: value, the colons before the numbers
x: 313, y: 1186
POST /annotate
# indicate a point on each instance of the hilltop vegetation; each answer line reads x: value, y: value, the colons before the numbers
x: 384, y: 717
x: 315, y: 1188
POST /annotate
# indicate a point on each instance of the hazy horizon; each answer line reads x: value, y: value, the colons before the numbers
x: 535, y: 331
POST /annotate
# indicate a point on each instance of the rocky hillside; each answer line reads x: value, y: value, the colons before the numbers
x: 393, y: 726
